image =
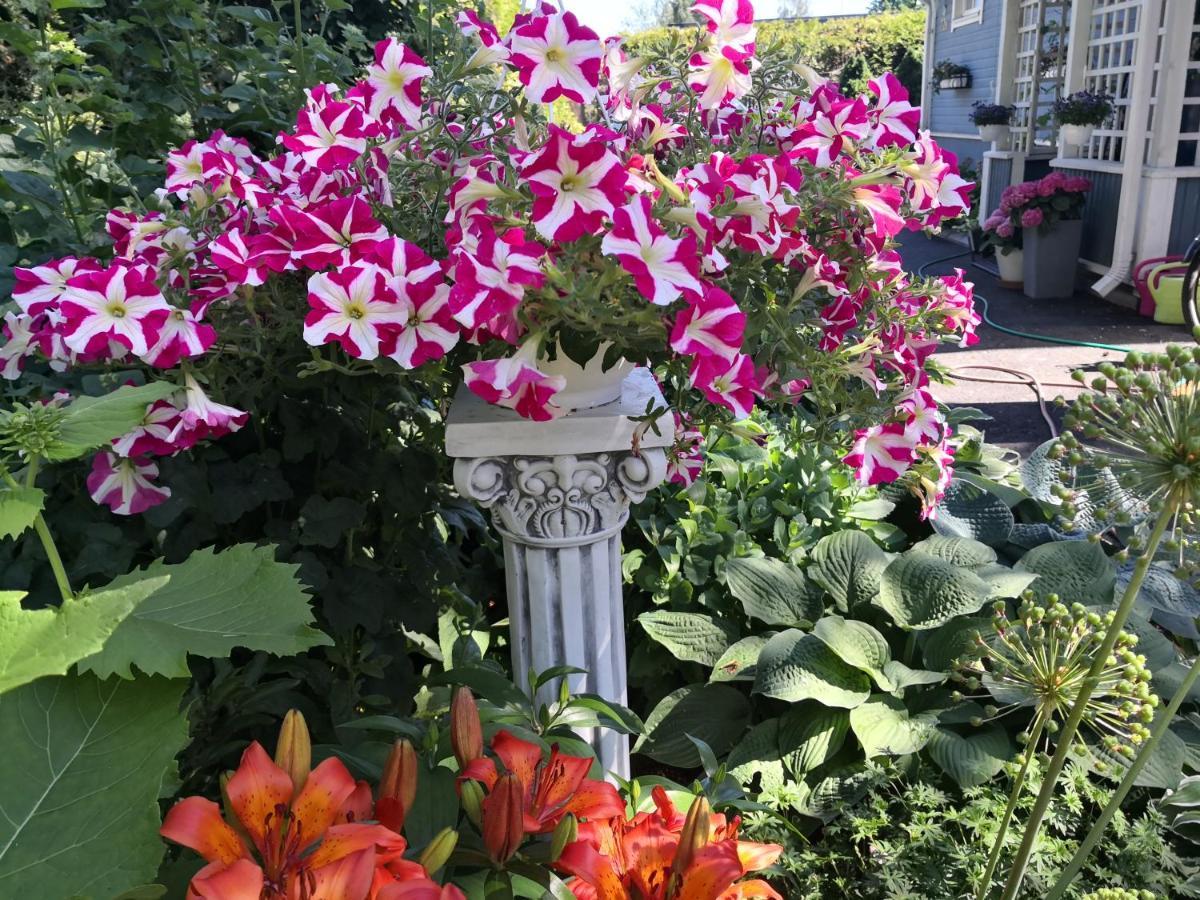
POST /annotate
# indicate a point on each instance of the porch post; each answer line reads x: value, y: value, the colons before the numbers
x: 560, y: 492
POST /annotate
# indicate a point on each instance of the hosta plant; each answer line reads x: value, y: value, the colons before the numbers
x: 434, y: 210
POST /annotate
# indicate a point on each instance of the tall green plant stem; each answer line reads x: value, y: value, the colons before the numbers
x: 1114, y: 802
x: 301, y: 61
x: 985, y: 882
x: 1067, y: 734
x: 43, y: 532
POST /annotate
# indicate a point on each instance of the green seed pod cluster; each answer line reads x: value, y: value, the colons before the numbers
x: 30, y: 430
x: 1118, y: 894
x: 1039, y: 660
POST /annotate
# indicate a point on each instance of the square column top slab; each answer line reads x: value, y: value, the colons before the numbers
x: 476, y: 428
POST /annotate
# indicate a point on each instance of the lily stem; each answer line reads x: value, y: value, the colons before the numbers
x: 1161, y: 723
x: 1066, y: 735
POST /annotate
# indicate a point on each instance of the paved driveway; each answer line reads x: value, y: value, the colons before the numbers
x: 1018, y: 422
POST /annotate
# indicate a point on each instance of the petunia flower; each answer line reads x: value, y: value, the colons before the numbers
x: 178, y: 335
x: 428, y: 330
x: 516, y: 383
x: 115, y: 304
x: 329, y: 138
x: 41, y: 287
x: 555, y: 56
x: 394, y: 82
x: 232, y: 252
x: 152, y: 436
x: 490, y: 280
x: 20, y: 340
x: 662, y: 267
x: 720, y: 75
x: 822, y: 139
x: 201, y: 417
x: 333, y: 233
x: 575, y: 185
x: 711, y: 325
x: 286, y: 840
x: 881, y: 453
x: 124, y: 485
x: 731, y: 383
x: 896, y: 120
x: 353, y: 307
x: 730, y: 22
x: 491, y: 50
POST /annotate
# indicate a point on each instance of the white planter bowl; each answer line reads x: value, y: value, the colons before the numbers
x: 1076, y: 135
x: 587, y: 386
x: 997, y: 134
x: 1011, y: 266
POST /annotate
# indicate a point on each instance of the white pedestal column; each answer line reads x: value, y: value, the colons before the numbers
x: 560, y: 493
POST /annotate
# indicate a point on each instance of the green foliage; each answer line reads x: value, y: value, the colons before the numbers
x: 209, y: 604
x: 868, y: 46
x: 85, y: 761
x: 910, y: 837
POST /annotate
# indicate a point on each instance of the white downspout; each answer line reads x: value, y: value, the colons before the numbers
x: 1135, y: 150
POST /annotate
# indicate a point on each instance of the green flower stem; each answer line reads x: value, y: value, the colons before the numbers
x: 1114, y: 802
x: 1067, y: 734
x: 985, y: 882
x: 43, y: 533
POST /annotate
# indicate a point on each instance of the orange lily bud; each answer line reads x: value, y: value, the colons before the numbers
x: 471, y: 795
x: 398, y: 787
x: 565, y: 833
x: 466, y: 731
x: 694, y: 834
x: 503, y: 818
x: 293, y: 751
x: 435, y: 855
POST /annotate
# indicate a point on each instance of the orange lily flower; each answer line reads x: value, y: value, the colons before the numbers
x: 288, y: 845
x: 649, y: 858
x: 423, y: 889
x: 552, y: 788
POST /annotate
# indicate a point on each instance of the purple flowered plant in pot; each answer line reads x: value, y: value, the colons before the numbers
x: 1083, y: 108
x: 983, y: 114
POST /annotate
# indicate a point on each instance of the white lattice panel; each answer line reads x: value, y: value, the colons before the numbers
x: 1108, y: 68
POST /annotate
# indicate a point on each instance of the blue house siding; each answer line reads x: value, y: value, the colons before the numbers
x: 1185, y: 219
x: 964, y: 150
x: 976, y: 47
x: 1100, y: 215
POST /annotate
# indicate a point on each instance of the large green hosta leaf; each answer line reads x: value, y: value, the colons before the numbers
x: 972, y: 758
x: 795, y: 666
x: 849, y: 565
x: 1078, y: 571
x: 857, y: 643
x: 740, y: 661
x: 922, y: 591
x: 39, y: 642
x: 773, y: 591
x: 715, y: 713
x: 809, y: 738
x: 969, y: 511
x: 884, y: 727
x: 689, y: 636
x: 240, y: 597
x: 83, y: 763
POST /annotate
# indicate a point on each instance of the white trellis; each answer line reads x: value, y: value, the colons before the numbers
x: 1112, y: 36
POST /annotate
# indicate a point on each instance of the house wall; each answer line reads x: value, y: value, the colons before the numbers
x: 977, y: 47
x: 1099, y: 213
x: 1185, y: 219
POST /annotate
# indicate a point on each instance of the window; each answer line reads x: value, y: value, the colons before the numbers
x: 966, y: 12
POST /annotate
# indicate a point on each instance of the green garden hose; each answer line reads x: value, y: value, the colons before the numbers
x: 982, y: 301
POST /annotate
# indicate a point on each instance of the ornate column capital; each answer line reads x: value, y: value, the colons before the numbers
x: 560, y: 501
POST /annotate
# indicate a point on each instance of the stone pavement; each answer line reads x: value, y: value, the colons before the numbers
x: 1018, y: 422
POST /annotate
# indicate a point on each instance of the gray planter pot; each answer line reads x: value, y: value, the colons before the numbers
x: 1051, y: 258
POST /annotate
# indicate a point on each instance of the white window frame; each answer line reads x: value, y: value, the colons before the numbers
x: 966, y: 12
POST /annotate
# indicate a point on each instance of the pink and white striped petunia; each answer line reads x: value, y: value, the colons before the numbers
x: 125, y: 485
x: 711, y: 325
x: 179, y: 335
x: 925, y: 424
x: 491, y: 50
x: 730, y: 22
x: 202, y: 417
x: 685, y: 458
x: 491, y: 280
x: 882, y: 203
x: 330, y: 138
x: 428, y: 330
x: 20, y: 340
x: 556, y: 57
x: 662, y: 267
x: 115, y: 304
x: 153, y: 436
x: 881, y: 453
x: 896, y: 120
x: 232, y: 253
x: 822, y: 139
x: 353, y: 307
x: 515, y: 382
x: 40, y: 287
x: 720, y: 75
x: 333, y: 233
x: 575, y: 185
x: 394, y: 82
x: 731, y: 383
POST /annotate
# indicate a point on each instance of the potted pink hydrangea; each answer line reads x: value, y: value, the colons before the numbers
x: 723, y: 217
x: 1049, y: 213
x: 1004, y: 236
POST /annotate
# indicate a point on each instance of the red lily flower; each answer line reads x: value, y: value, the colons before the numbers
x: 552, y: 788
x: 288, y: 846
x: 663, y: 855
